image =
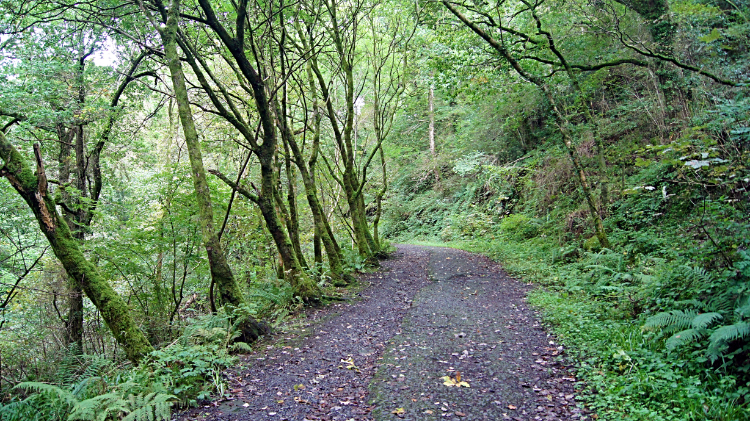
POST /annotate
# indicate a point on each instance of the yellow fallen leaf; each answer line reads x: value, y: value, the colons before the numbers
x: 448, y: 381
x: 398, y: 411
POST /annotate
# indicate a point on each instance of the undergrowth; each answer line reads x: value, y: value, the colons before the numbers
x: 92, y: 387
x: 658, y: 325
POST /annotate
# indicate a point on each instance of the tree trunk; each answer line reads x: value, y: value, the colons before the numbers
x: 349, y: 179
x: 431, y: 111
x: 221, y: 274
x: 302, y: 284
x: 33, y: 188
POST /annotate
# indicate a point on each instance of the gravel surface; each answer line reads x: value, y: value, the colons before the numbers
x: 430, y: 312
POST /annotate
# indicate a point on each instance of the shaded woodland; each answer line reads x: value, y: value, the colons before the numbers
x: 183, y: 177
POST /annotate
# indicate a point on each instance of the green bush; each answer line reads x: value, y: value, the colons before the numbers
x: 519, y: 227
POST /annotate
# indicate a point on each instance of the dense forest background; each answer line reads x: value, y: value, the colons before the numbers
x: 181, y: 178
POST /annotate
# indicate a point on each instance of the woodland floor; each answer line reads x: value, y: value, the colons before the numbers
x: 430, y: 312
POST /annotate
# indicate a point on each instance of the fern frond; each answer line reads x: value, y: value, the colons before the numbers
x: 81, y: 389
x: 744, y: 309
x: 152, y: 407
x: 731, y: 332
x: 95, y: 366
x: 671, y: 320
x: 684, y: 337
x: 240, y: 347
x: 99, y: 408
x: 724, y: 302
x: 700, y: 305
x: 19, y: 411
x: 49, y: 390
x: 600, y: 267
x: 721, y: 337
x: 704, y: 320
x: 697, y: 273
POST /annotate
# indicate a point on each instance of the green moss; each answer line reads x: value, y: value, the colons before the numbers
x: 592, y: 244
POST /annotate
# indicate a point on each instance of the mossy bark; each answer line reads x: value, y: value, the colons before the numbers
x: 303, y: 285
x: 349, y: 178
x: 221, y: 274
x: 311, y: 193
x: 113, y: 309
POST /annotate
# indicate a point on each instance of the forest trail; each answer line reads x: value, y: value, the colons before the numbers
x: 430, y: 312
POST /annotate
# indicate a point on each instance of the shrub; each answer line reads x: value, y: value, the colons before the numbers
x: 519, y: 227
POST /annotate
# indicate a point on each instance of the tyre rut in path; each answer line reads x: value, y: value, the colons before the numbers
x: 431, y: 312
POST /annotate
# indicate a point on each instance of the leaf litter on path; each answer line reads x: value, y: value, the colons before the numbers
x: 433, y: 316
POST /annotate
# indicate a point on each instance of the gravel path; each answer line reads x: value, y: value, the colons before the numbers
x: 431, y: 312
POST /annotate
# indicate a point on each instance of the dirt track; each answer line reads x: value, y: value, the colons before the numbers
x: 431, y: 312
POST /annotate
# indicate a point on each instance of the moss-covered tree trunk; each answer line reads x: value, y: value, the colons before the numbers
x: 32, y: 186
x: 221, y: 274
x: 306, y: 169
x: 349, y: 179
x: 74, y: 322
x: 302, y: 284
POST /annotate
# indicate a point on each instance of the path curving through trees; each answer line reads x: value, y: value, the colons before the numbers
x: 430, y: 313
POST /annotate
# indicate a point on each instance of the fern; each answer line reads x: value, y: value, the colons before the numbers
x: 704, y: 320
x: 152, y: 407
x: 684, y: 337
x: 671, y: 321
x: 22, y: 411
x: 722, y: 336
x: 98, y: 408
x: 54, y: 394
x: 744, y: 309
x: 240, y: 347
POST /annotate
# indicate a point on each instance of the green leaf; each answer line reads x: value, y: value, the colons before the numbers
x: 711, y: 37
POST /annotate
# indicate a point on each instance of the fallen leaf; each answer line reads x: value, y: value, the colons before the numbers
x: 429, y: 412
x: 350, y: 364
x: 399, y: 412
x: 460, y: 414
x: 448, y: 381
x: 512, y: 407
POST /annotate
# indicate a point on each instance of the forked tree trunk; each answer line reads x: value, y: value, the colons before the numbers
x: 302, y: 284
x: 221, y: 274
x: 113, y: 309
